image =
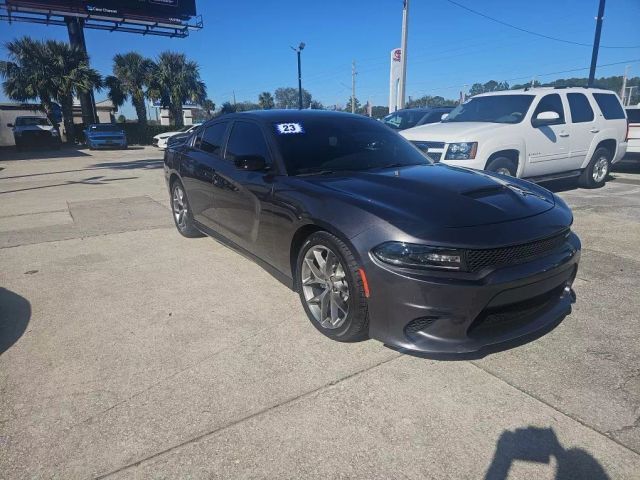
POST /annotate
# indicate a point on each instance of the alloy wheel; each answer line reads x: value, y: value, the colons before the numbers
x: 504, y: 171
x: 325, y: 286
x: 179, y: 207
x: 600, y: 169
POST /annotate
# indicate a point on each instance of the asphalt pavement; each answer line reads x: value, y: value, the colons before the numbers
x: 128, y: 351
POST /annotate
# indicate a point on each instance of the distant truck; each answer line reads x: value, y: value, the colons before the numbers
x: 537, y: 134
x: 34, y: 131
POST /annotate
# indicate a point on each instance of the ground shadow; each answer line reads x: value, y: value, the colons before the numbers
x: 15, y: 312
x: 11, y: 154
x: 539, y: 445
x: 97, y: 180
x: 132, y: 165
x: 628, y: 165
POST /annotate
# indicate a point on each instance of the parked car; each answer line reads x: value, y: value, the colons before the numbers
x: 538, y: 133
x: 377, y: 240
x: 633, y: 115
x: 34, y: 131
x: 413, y: 117
x: 161, y: 139
x: 105, y: 135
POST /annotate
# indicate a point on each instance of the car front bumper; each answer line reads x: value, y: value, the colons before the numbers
x: 161, y: 143
x: 101, y: 143
x: 418, y: 312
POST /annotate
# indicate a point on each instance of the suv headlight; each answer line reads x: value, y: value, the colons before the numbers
x: 461, y: 151
x: 419, y: 256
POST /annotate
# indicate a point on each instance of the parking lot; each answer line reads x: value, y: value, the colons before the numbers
x: 128, y: 351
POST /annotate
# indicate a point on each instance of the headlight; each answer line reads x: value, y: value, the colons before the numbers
x: 462, y: 151
x: 54, y: 133
x: 421, y: 256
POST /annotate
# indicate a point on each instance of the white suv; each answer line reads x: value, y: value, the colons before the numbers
x: 537, y: 133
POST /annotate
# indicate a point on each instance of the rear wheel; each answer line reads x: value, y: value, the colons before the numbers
x: 181, y: 212
x: 331, y: 288
x: 502, y: 165
x: 596, y: 173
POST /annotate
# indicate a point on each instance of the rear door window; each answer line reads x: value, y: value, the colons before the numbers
x: 581, y: 110
x: 609, y: 106
x: 550, y: 103
x: 633, y: 114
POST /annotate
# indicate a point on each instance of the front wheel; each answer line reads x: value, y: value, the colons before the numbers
x: 331, y: 288
x: 182, y: 216
x: 502, y: 165
x: 595, y: 175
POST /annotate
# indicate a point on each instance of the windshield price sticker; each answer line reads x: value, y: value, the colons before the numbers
x: 289, y: 128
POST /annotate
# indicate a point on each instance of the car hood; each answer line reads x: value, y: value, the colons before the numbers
x: 439, y: 195
x: 166, y: 135
x: 453, y: 131
x: 34, y: 128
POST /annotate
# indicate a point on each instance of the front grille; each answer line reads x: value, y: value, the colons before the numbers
x: 109, y: 138
x: 426, y: 145
x: 435, y: 157
x: 414, y: 327
x: 36, y: 134
x: 515, y: 315
x: 478, y: 259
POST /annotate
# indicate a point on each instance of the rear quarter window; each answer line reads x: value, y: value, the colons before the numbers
x: 609, y: 106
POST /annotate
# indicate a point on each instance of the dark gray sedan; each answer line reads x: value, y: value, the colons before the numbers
x: 378, y: 241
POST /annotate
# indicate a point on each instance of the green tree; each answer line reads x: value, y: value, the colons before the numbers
x: 287, y: 97
x: 175, y: 81
x: 131, y: 76
x: 316, y: 105
x: 265, y: 101
x: 122, y: 119
x: 358, y: 107
x: 50, y: 72
x: 208, y: 106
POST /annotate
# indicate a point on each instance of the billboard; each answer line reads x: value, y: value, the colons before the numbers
x: 394, y: 79
x: 160, y: 10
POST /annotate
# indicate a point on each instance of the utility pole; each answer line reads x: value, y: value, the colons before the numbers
x: 298, y: 50
x: 403, y: 59
x: 596, y: 44
x: 353, y: 86
x: 624, y: 84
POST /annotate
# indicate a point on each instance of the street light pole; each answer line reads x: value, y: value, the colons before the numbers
x: 403, y: 59
x: 298, y: 51
x: 596, y: 44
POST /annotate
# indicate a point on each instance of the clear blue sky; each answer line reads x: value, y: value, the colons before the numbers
x: 244, y: 45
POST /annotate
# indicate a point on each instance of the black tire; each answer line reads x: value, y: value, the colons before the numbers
x: 187, y: 227
x: 355, y: 326
x: 502, y: 165
x: 601, y: 164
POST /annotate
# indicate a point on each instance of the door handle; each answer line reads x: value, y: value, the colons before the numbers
x: 594, y: 130
x: 563, y: 134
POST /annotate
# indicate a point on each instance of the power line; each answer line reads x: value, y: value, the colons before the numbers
x: 530, y: 32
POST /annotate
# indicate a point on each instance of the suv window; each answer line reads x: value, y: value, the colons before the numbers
x: 246, y: 140
x: 550, y: 103
x: 581, y: 110
x: 609, y: 106
x: 633, y: 114
x: 210, y: 140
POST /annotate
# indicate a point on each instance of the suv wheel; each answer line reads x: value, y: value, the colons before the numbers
x: 502, y: 165
x: 182, y: 212
x: 331, y: 290
x: 595, y: 175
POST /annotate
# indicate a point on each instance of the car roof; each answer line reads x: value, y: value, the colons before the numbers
x: 542, y: 90
x: 284, y: 116
x: 422, y: 109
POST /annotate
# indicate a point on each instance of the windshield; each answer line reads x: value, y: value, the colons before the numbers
x: 105, y: 128
x: 493, y: 109
x: 332, y: 144
x: 403, y: 120
x: 31, y: 121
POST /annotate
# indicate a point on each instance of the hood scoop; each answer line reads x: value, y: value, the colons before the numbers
x: 485, y: 191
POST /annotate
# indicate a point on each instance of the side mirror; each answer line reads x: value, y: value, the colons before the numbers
x: 545, y: 118
x: 10, y: 125
x: 251, y: 163
x: 444, y: 116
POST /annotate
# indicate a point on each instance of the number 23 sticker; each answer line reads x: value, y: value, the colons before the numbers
x: 289, y: 128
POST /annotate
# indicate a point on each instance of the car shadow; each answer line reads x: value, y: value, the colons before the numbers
x: 540, y: 445
x: 133, y: 165
x: 11, y: 154
x: 15, y: 313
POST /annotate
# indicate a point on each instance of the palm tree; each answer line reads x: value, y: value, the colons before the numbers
x: 208, y: 106
x: 175, y: 81
x: 26, y: 76
x: 72, y: 76
x: 265, y: 100
x: 131, y: 75
x: 51, y: 72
